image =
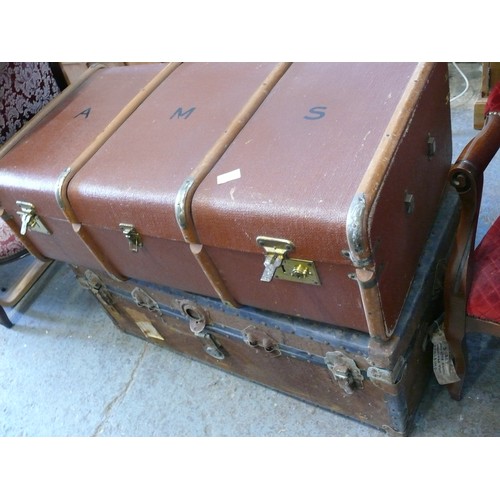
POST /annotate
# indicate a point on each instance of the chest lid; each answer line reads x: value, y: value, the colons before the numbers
x: 134, y: 178
x: 295, y: 168
x: 57, y: 135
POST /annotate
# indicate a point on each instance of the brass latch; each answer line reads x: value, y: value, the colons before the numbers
x: 142, y: 299
x: 257, y: 337
x: 198, y: 319
x: 133, y: 237
x: 92, y: 282
x: 344, y: 371
x: 278, y: 265
x: 29, y: 219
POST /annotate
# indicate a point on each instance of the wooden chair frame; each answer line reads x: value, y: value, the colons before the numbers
x: 466, y: 176
x: 21, y: 287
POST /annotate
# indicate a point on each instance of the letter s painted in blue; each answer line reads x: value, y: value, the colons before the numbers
x: 317, y: 111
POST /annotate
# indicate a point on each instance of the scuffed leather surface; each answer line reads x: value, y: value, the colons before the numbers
x: 300, y: 171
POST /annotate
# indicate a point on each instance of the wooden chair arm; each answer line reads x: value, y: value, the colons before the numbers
x: 483, y: 147
x: 466, y: 176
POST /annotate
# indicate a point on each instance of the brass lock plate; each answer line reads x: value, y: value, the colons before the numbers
x: 301, y: 271
x: 278, y: 265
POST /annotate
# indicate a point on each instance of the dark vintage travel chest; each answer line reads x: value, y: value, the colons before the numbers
x: 376, y: 382
x: 305, y: 189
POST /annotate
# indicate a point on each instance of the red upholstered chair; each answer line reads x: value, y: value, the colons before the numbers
x: 472, y: 283
x: 24, y: 89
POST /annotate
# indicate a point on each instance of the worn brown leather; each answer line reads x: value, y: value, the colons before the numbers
x: 135, y: 177
x: 102, y: 256
x: 254, y: 353
x: 30, y: 169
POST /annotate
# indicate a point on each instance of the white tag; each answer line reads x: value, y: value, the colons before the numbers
x: 444, y: 370
x: 229, y: 176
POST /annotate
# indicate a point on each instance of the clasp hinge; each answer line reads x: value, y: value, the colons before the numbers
x: 92, y: 282
x: 198, y: 319
x: 133, y: 237
x: 344, y: 371
x: 278, y: 265
x: 30, y: 221
x: 144, y: 300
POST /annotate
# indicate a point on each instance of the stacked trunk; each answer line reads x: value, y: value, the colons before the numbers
x: 290, y: 205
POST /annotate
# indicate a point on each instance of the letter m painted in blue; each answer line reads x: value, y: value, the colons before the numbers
x: 182, y: 114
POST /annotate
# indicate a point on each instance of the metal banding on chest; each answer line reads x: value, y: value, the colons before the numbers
x: 355, y: 226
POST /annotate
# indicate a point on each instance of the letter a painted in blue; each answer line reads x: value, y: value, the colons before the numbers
x: 85, y: 112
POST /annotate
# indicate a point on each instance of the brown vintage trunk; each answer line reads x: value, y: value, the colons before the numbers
x: 346, y: 161
x: 194, y: 175
x: 135, y: 177
x: 32, y: 161
x: 127, y: 160
x: 342, y: 370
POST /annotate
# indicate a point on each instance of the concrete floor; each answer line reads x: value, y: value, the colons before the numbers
x: 66, y: 370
